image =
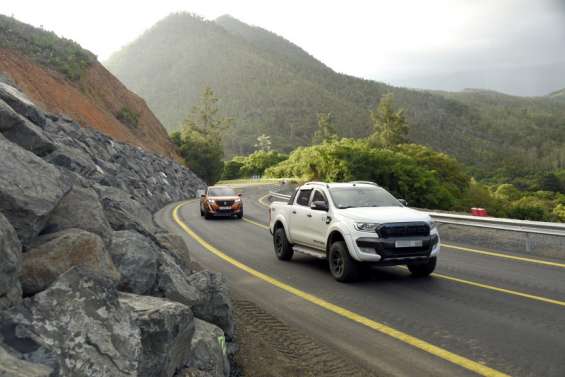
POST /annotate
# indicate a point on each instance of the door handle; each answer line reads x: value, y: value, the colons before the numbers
x: 294, y: 212
x: 309, y: 215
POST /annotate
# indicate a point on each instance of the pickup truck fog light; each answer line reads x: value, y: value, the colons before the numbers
x: 366, y: 227
x: 368, y: 250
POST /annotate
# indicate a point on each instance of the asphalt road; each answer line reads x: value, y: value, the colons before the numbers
x: 478, y: 310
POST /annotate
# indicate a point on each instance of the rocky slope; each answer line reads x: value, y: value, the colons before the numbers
x: 89, y: 285
x: 64, y: 78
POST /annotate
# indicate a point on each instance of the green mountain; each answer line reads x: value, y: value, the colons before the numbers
x: 271, y: 86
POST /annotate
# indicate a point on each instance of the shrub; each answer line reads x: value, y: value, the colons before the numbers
x: 128, y: 117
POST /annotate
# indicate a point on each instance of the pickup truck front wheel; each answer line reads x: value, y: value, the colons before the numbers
x: 423, y: 269
x: 342, y: 267
x: 283, y: 249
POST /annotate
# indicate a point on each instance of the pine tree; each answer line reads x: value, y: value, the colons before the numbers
x: 390, y: 126
x: 326, y: 129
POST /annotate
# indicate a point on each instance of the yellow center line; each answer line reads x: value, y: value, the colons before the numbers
x: 444, y: 354
x: 506, y: 256
x: 482, y: 252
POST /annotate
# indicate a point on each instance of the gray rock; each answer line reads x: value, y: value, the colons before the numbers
x: 11, y: 366
x: 21, y: 104
x: 8, y: 117
x: 77, y: 327
x: 11, y: 265
x: 215, y: 304
x: 29, y: 136
x: 51, y: 255
x: 172, y: 283
x: 175, y: 246
x: 80, y: 209
x: 72, y: 159
x: 136, y: 257
x: 124, y: 212
x: 209, y: 350
x: 193, y: 372
x: 166, y: 328
x: 30, y: 189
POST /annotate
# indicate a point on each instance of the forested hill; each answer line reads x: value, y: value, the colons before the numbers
x: 271, y: 86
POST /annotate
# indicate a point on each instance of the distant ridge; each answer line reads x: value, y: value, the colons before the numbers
x: 270, y: 85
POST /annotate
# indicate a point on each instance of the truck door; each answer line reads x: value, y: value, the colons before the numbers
x: 299, y: 214
x: 317, y: 224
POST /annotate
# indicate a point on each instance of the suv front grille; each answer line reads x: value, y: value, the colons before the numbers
x: 224, y: 203
x: 394, y: 230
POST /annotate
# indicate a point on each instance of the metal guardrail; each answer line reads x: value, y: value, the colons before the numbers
x: 523, y: 226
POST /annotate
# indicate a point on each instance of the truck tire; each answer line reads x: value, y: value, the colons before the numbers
x: 423, y: 269
x: 342, y: 267
x: 283, y: 249
x: 207, y: 215
x: 240, y: 214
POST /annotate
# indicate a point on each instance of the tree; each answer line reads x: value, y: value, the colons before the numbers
x: 205, y: 117
x: 201, y: 139
x: 326, y: 129
x: 390, y: 126
x: 263, y: 143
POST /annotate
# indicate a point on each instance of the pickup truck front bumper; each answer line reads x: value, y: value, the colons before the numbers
x: 386, y: 251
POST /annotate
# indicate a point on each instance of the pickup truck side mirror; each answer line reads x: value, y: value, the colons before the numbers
x: 403, y: 202
x: 239, y: 194
x: 319, y: 205
x: 202, y: 195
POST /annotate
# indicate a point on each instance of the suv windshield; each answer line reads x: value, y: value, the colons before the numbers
x: 348, y: 197
x: 221, y: 191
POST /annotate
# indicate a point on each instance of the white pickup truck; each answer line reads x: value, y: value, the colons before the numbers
x: 353, y: 224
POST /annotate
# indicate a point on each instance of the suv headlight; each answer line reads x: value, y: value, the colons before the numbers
x: 366, y: 227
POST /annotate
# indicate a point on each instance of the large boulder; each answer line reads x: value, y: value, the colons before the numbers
x: 172, y: 283
x: 215, y: 304
x: 30, y: 188
x: 51, y: 255
x: 11, y: 265
x: 209, y: 350
x: 124, y: 212
x: 166, y: 329
x: 29, y: 136
x: 136, y: 257
x: 8, y: 117
x: 11, y: 366
x: 81, y: 209
x: 77, y: 327
x: 21, y: 104
x: 73, y: 159
x: 175, y: 246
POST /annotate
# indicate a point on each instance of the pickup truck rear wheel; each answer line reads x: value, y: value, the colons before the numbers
x: 342, y: 267
x: 283, y: 249
x: 423, y: 269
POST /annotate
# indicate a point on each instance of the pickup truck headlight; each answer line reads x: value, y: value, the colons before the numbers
x: 366, y: 227
x: 211, y: 201
x: 238, y: 200
x: 433, y: 226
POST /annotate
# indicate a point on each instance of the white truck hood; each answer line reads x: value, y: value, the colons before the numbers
x: 384, y: 214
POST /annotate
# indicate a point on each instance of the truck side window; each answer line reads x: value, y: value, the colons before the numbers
x: 319, y: 197
x: 304, y: 197
x: 291, y: 200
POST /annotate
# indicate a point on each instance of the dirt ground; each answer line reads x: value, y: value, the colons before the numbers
x: 270, y: 348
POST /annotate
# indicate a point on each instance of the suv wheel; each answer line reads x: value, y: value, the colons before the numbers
x: 283, y: 249
x: 342, y: 266
x: 423, y: 269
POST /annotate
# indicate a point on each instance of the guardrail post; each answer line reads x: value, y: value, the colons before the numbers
x: 528, y: 243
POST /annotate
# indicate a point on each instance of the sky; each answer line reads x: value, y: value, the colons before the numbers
x: 434, y: 44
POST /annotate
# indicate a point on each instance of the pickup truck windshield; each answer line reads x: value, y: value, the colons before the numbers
x: 221, y: 191
x: 350, y: 197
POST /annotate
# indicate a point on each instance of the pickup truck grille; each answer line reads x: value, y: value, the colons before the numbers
x: 395, y: 230
x: 224, y: 202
